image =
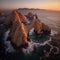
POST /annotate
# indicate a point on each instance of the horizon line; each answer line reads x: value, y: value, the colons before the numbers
x: 28, y: 8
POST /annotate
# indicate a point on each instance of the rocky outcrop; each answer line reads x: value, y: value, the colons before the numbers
x: 18, y: 33
x: 40, y: 28
x: 37, y: 26
x: 30, y: 16
x: 46, y: 29
x: 22, y: 17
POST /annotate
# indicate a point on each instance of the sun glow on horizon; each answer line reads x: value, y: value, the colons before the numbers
x: 40, y: 4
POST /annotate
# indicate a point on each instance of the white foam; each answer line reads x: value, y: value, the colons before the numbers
x: 8, y: 46
x: 51, y: 49
x: 33, y: 45
x: 31, y: 31
x: 6, y: 35
x: 53, y: 32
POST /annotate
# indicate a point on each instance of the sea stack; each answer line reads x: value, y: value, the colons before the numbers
x: 23, y: 18
x: 30, y: 16
x: 41, y: 28
x: 18, y: 33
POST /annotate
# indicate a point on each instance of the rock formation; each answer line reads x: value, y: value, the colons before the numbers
x: 30, y: 16
x: 18, y: 33
x: 22, y: 17
x: 40, y: 28
x: 37, y: 26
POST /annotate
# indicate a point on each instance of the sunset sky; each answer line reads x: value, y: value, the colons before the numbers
x: 41, y: 4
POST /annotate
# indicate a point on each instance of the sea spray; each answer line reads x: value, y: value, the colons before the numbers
x: 8, y: 46
x: 6, y: 34
x: 33, y: 45
x: 29, y: 50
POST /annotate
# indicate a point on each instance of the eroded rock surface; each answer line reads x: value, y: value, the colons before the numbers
x: 18, y: 33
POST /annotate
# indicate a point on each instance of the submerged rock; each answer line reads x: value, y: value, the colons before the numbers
x: 46, y: 28
x: 37, y: 26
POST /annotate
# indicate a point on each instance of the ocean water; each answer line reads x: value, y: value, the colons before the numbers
x: 50, y: 18
x: 43, y: 47
x: 39, y: 48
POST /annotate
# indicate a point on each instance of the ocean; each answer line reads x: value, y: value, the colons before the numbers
x: 50, y: 18
x: 39, y: 48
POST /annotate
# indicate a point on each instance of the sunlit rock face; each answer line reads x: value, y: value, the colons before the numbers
x: 18, y: 33
x: 22, y: 17
x: 41, y: 28
x: 46, y: 28
x: 37, y: 26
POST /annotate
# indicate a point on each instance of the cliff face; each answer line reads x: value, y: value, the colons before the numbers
x: 30, y: 16
x: 22, y: 18
x: 40, y: 28
x: 37, y: 26
x: 46, y: 28
x: 18, y: 33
